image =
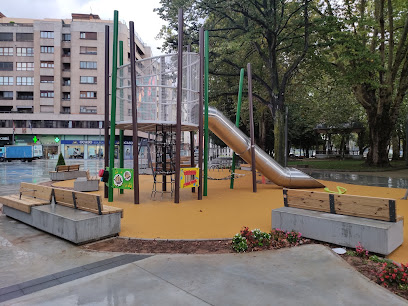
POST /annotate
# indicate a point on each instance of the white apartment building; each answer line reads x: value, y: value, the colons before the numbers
x: 52, y: 83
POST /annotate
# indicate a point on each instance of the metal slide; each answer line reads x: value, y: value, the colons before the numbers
x: 241, y: 144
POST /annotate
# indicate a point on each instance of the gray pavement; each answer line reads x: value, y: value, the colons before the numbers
x: 306, y: 275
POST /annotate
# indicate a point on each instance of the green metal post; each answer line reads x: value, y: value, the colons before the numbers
x: 206, y: 62
x: 113, y: 105
x: 121, y: 132
x: 234, y: 156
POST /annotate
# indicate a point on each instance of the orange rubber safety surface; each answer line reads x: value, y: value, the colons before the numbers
x: 223, y: 212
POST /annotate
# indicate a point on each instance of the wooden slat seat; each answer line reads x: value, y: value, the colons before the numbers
x: 383, y: 209
x: 66, y: 168
x: 84, y: 201
x: 30, y: 195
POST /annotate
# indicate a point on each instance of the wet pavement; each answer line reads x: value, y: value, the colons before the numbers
x: 373, y: 179
x: 13, y: 173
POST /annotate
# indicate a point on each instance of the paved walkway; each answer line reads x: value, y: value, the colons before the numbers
x: 39, y: 269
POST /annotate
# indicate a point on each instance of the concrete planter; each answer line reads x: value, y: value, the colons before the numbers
x: 71, y: 224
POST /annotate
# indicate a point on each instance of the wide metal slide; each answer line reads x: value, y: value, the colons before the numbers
x: 241, y: 144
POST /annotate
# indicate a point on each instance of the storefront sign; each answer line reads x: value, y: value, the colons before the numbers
x: 5, y: 138
x: 189, y: 177
x: 92, y: 142
x: 122, y: 178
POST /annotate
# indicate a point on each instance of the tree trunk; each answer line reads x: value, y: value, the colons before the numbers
x: 379, y: 139
x: 262, y: 132
x: 395, y: 146
x: 279, y: 133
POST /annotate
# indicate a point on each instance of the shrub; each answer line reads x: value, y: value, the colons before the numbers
x: 361, y: 252
x: 248, y: 240
x: 293, y: 236
x: 391, y: 274
x: 278, y: 234
x: 239, y: 243
x: 261, y: 238
x: 61, y: 160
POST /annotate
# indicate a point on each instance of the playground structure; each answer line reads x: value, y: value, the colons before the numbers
x: 166, y: 93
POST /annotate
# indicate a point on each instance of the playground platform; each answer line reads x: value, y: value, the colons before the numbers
x: 223, y: 212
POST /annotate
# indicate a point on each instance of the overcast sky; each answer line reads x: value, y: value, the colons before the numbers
x: 147, y: 23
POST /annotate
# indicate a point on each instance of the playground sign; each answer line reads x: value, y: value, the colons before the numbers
x: 122, y: 178
x: 189, y: 177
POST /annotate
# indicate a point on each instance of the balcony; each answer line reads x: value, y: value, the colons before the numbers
x: 25, y: 95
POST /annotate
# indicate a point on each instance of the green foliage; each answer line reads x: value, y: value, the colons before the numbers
x: 239, y: 243
x: 377, y: 259
x: 61, y: 160
x: 393, y: 275
x: 351, y: 253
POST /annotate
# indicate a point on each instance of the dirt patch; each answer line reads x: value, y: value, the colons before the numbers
x: 128, y: 245
x: 371, y: 270
x: 161, y: 246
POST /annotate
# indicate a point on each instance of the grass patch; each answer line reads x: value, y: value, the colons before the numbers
x: 345, y: 165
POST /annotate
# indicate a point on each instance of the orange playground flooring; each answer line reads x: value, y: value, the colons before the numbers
x: 223, y: 212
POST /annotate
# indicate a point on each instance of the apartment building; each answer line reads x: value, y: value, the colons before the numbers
x: 52, y: 83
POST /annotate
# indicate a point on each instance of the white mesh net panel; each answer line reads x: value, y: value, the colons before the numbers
x: 156, y: 92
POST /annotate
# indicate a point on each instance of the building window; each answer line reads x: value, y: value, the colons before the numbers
x: 6, y: 80
x: 6, y: 66
x: 66, y: 37
x: 66, y: 110
x: 66, y: 96
x: 25, y: 66
x: 88, y: 35
x: 25, y: 81
x: 6, y: 95
x: 88, y: 94
x: 66, y: 66
x: 66, y: 52
x: 24, y: 37
x: 25, y: 95
x: 47, y: 49
x: 46, y: 79
x: 46, y: 94
x: 6, y: 36
x: 88, y: 80
x: 25, y: 51
x: 47, y: 64
x: 88, y: 65
x: 47, y: 34
x: 6, y: 51
x: 88, y: 109
x: 66, y: 82
x: 88, y: 50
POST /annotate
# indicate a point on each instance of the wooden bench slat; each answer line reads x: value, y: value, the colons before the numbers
x: 63, y: 196
x: 351, y: 205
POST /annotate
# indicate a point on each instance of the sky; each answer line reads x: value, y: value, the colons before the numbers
x: 147, y: 23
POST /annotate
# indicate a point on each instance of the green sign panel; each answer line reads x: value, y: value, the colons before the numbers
x: 122, y: 178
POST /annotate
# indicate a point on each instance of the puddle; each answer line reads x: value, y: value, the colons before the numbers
x: 356, y: 179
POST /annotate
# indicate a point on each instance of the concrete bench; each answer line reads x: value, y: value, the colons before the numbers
x: 88, y: 183
x: 66, y: 168
x: 75, y: 216
x: 30, y: 195
x: 66, y: 172
x: 341, y: 219
x: 84, y: 201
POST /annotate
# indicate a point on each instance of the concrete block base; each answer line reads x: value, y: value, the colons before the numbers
x: 82, y: 184
x: 69, y: 175
x: 68, y: 223
x: 374, y: 235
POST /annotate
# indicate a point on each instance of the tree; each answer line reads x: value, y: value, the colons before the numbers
x: 272, y: 35
x: 369, y: 47
x: 61, y: 160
